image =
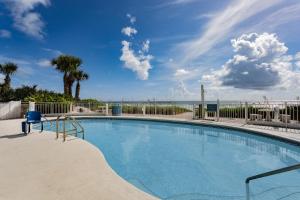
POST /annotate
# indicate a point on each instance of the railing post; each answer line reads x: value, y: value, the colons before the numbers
x: 154, y: 107
x: 106, y: 109
x: 246, y: 112
x: 218, y: 110
x: 71, y: 107
x: 57, y: 125
x: 247, y: 191
x: 64, y: 129
x: 144, y: 109
x: 286, y: 115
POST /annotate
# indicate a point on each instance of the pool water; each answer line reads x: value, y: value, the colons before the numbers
x: 181, y: 161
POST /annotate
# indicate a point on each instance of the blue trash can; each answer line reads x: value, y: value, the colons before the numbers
x: 117, y: 110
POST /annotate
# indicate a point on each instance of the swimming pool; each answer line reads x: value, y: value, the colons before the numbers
x: 182, y: 161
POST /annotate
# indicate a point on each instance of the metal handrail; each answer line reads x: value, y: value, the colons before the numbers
x: 48, y: 121
x: 269, y: 173
x: 76, y: 125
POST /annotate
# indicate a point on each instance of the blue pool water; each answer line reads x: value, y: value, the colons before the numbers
x: 180, y: 161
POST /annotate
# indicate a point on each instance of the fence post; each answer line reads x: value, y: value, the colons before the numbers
x: 106, y: 109
x: 144, y: 109
x: 154, y: 106
x: 286, y: 115
x: 246, y: 112
x: 71, y: 107
x: 31, y: 106
x: 218, y: 110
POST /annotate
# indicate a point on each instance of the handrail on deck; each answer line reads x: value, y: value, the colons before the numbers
x: 73, y: 122
x: 269, y: 173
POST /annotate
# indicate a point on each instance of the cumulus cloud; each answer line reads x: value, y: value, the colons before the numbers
x: 260, y: 62
x: 5, y: 33
x: 297, y: 60
x: 129, y: 31
x: 137, y: 63
x: 25, y: 18
x: 131, y: 18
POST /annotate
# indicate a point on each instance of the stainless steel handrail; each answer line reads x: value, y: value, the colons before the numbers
x: 270, y: 173
x: 76, y: 125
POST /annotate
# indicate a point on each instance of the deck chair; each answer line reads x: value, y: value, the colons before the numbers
x: 34, y: 117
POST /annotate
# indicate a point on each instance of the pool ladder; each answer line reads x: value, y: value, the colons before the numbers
x: 77, y: 128
x: 269, y: 173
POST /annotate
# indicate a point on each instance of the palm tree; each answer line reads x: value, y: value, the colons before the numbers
x: 67, y: 65
x: 8, y: 69
x: 75, y: 63
x: 79, y: 76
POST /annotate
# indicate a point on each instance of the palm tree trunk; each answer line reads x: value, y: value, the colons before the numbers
x: 66, y: 88
x: 70, y: 85
x: 77, y: 92
x: 7, y: 81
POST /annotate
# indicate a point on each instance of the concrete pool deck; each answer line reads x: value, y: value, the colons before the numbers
x: 39, y: 167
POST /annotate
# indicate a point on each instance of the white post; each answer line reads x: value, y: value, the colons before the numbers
x: 71, y: 107
x: 202, y: 102
x: 218, y: 110
x: 144, y: 110
x: 31, y: 106
x: 246, y: 112
x: 154, y: 106
x: 106, y: 109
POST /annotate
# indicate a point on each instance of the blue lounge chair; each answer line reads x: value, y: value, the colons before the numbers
x: 34, y: 117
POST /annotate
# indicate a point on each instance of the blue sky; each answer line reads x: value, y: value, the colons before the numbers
x: 138, y: 50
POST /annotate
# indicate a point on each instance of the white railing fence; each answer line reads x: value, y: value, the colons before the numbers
x: 283, y: 114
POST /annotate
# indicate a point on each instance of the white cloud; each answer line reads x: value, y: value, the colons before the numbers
x: 181, y: 72
x: 297, y: 60
x: 205, y: 16
x: 146, y: 46
x: 5, y: 33
x: 280, y: 17
x: 44, y: 63
x: 260, y: 62
x: 176, y: 2
x: 220, y: 26
x: 129, y: 31
x: 53, y: 51
x: 137, y: 63
x: 131, y: 18
x: 5, y: 59
x: 180, y: 91
x: 25, y: 18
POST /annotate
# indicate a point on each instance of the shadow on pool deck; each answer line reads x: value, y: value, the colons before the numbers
x: 12, y: 136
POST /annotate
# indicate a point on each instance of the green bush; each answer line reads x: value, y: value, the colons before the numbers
x: 151, y: 109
